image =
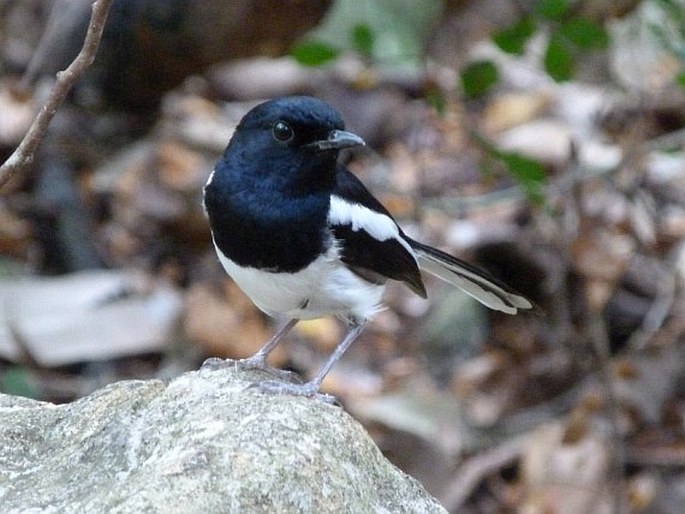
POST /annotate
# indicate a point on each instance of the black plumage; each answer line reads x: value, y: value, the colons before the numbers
x: 304, y: 238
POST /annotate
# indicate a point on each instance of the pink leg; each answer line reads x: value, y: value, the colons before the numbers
x: 258, y: 360
x: 311, y: 388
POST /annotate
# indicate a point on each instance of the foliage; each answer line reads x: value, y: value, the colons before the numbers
x: 513, y: 39
x: 370, y: 28
x: 16, y: 381
x: 671, y: 34
x: 529, y: 173
x: 314, y: 53
x: 569, y: 35
x: 478, y: 77
x: 394, y: 32
x: 385, y: 31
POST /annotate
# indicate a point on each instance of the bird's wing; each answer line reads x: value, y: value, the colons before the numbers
x: 485, y: 288
x: 371, y: 244
x: 374, y: 246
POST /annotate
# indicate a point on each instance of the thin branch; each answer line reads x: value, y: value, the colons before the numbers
x: 474, y: 470
x: 22, y: 157
x: 599, y: 344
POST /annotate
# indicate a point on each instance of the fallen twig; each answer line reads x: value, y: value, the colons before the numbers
x: 474, y: 470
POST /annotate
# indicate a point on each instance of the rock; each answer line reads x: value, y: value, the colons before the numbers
x: 202, y: 442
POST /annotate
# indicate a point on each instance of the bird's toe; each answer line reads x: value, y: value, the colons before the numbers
x: 308, y: 389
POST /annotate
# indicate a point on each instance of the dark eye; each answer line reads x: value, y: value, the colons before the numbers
x: 282, y: 132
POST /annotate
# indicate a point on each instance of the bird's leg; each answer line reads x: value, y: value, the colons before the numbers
x: 258, y: 360
x: 311, y: 388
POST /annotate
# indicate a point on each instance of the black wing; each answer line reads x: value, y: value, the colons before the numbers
x: 371, y: 243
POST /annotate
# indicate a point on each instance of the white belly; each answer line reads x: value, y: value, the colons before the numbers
x: 324, y: 288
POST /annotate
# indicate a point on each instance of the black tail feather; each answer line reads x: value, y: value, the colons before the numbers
x: 478, y: 283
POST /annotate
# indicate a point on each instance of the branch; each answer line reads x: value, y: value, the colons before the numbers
x: 475, y: 469
x: 23, y: 156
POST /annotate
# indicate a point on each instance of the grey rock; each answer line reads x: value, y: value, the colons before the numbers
x: 203, y: 442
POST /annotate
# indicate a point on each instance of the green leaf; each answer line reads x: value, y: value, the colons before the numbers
x: 553, y: 10
x: 438, y: 101
x: 672, y: 8
x: 680, y: 79
x: 314, y: 53
x: 585, y: 33
x: 17, y: 381
x: 363, y: 39
x: 527, y: 172
x: 558, y: 61
x: 513, y: 39
x: 478, y: 77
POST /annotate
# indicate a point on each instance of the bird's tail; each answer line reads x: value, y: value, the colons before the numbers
x: 476, y: 282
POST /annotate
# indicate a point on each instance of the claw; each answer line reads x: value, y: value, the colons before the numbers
x: 308, y: 389
x: 286, y: 386
x: 214, y: 363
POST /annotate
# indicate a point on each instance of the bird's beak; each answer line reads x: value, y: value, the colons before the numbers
x: 337, y: 140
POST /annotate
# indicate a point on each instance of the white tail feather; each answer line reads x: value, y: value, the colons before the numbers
x: 479, y: 287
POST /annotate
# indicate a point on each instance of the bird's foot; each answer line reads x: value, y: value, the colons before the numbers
x: 254, y: 362
x: 308, y: 389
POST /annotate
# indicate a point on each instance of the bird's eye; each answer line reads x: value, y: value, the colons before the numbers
x: 282, y: 132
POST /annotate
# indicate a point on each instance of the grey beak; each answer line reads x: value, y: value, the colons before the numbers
x: 337, y: 140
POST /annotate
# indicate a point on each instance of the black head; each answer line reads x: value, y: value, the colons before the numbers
x: 268, y: 197
x: 299, y: 122
x: 289, y: 139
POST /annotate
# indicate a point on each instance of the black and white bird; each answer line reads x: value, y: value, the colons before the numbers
x: 303, y: 237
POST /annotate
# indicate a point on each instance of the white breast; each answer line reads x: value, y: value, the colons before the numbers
x: 324, y: 288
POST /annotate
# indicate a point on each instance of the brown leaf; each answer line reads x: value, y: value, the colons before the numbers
x: 180, y: 168
x: 85, y: 316
x: 565, y: 478
x: 602, y: 258
x: 511, y: 109
x: 225, y: 325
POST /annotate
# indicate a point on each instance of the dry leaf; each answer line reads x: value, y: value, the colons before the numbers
x: 512, y: 109
x: 85, y: 316
x: 565, y: 478
x: 226, y: 325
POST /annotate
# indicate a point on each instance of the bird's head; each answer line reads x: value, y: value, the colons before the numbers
x: 296, y: 138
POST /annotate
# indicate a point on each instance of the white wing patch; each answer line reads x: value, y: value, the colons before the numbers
x: 377, y: 225
x: 210, y: 178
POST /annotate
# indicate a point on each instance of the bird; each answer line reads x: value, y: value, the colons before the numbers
x: 303, y: 237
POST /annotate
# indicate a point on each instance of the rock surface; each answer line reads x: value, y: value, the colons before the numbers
x: 202, y: 442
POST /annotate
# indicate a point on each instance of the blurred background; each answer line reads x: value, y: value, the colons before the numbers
x: 543, y: 140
